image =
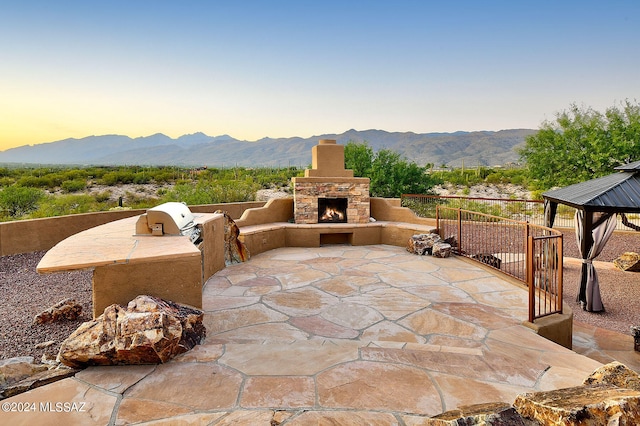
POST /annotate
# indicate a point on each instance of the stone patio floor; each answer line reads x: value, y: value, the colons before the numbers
x: 336, y: 335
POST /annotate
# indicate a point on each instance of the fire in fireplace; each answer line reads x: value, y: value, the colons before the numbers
x: 332, y: 210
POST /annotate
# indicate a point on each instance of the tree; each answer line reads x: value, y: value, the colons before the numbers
x: 390, y: 174
x: 359, y: 158
x: 582, y: 144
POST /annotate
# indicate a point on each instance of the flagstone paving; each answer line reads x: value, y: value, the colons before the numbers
x: 339, y: 335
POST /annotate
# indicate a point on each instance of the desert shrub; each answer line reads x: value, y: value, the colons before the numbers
x: 519, y: 180
x: 103, y: 197
x: 117, y: 177
x: 537, y: 194
x: 38, y: 181
x: 74, y: 174
x: 74, y: 185
x: 164, y: 177
x: 212, y: 192
x: 66, y: 204
x: 420, y: 209
x: 274, y: 178
x: 515, y: 207
x: 135, y: 201
x: 6, y: 181
x: 18, y: 201
x: 475, y: 206
x: 495, y: 178
x: 141, y: 178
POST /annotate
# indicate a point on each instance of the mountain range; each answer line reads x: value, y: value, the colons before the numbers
x: 481, y: 148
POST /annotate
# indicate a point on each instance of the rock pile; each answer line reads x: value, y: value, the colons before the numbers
x: 67, y: 309
x: 149, y: 331
x: 609, y: 396
x: 428, y: 244
x: 628, y: 261
x: 21, y: 374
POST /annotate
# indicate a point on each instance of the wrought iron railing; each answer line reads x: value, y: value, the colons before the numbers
x: 531, y: 211
x: 529, y: 253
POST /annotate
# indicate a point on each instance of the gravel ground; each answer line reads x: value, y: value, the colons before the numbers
x: 26, y: 293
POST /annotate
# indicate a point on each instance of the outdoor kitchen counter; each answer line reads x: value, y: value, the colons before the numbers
x: 126, y: 265
x: 116, y: 243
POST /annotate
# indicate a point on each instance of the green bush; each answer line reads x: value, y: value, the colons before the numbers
x: 6, y: 181
x: 164, y: 177
x: 103, y: 197
x: 211, y: 192
x: 74, y: 185
x: 18, y: 201
x: 495, y: 178
x: 117, y: 177
x: 38, y: 182
x: 141, y: 179
x: 134, y: 201
x: 66, y: 204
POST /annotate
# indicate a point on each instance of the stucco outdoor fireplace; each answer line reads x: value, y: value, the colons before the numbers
x: 328, y: 193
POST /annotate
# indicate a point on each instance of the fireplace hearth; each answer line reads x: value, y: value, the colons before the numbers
x: 328, y: 193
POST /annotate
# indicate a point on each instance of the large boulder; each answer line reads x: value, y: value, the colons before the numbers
x: 617, y: 374
x: 234, y: 250
x: 609, y: 396
x: 598, y: 404
x: 149, y: 331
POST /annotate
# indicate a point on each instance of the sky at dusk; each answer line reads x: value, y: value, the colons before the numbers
x: 252, y: 69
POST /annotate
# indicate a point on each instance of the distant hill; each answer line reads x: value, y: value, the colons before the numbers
x: 485, y: 148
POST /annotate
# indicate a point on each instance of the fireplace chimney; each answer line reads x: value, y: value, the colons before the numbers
x: 327, y: 160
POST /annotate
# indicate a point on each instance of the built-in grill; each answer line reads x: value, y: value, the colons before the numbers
x: 171, y: 218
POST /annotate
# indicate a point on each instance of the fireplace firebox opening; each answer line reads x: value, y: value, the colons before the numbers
x: 332, y: 210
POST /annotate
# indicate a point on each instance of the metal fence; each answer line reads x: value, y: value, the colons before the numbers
x: 530, y: 253
x: 531, y: 211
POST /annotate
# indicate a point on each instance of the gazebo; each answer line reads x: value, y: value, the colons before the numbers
x: 597, y: 203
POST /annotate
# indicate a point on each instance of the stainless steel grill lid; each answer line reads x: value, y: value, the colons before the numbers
x: 173, y: 218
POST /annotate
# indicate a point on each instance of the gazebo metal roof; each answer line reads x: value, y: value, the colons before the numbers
x: 615, y: 193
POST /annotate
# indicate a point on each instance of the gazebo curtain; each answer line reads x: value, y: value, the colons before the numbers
x: 602, y: 226
x: 550, y: 209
